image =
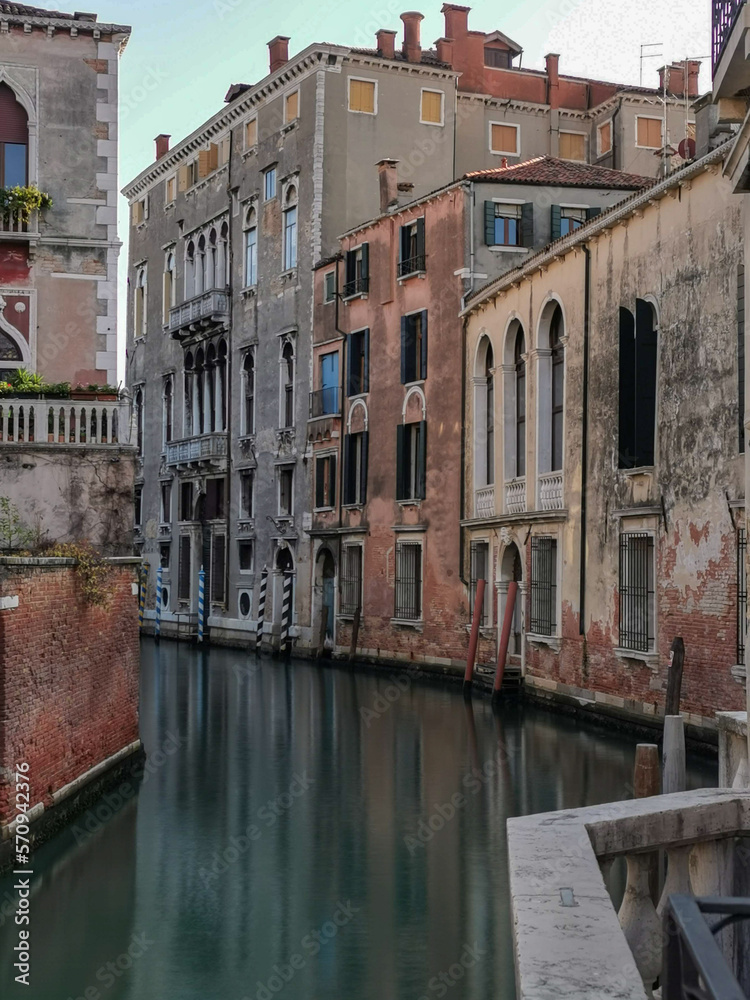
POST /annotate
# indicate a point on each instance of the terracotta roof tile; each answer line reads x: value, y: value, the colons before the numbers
x: 21, y: 9
x: 561, y: 173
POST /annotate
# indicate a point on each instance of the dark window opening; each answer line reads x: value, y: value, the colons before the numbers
x: 358, y: 363
x: 325, y: 482
x: 351, y: 580
x: 138, y: 505
x: 412, y: 259
x: 286, y: 485
x: 408, y: 581
x: 166, y: 503
x: 357, y: 271
x: 215, y: 493
x: 543, y: 585
x: 246, y: 556
x: 638, y: 364
x: 520, y: 366
x: 218, y: 568
x: 414, y: 347
x: 164, y: 555
x: 247, y: 482
x: 183, y: 585
x: 637, y: 598
x: 14, y: 139
x: 355, y: 468
x: 480, y: 564
x: 496, y: 58
x: 186, y: 501
x: 411, y: 450
x: 558, y: 389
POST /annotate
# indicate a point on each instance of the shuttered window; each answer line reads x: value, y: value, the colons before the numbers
x: 251, y: 133
x: 358, y: 363
x: 414, y: 347
x: 411, y: 461
x: 572, y: 146
x: 325, y: 482
x: 432, y: 107
x: 508, y: 225
x: 637, y: 402
x: 14, y: 137
x: 355, y: 468
x: 648, y: 133
x: 291, y: 106
x: 362, y: 96
x: 504, y: 139
x: 605, y: 138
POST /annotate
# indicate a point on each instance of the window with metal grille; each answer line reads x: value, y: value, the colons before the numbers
x: 543, y: 585
x: 357, y: 271
x: 480, y: 564
x: 218, y: 568
x: 741, y: 594
x: 409, y: 581
x: 637, y: 598
x: 351, y: 579
x: 183, y: 585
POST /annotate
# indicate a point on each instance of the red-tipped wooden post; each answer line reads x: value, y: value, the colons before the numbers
x: 474, y: 640
x: 502, y: 655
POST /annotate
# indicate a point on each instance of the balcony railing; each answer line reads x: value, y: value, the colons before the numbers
x: 207, y: 309
x: 63, y: 422
x: 725, y: 14
x: 551, y: 491
x: 13, y: 225
x: 515, y: 497
x: 484, y: 502
x: 693, y: 962
x: 210, y: 448
x: 325, y: 402
x: 414, y: 265
x: 358, y: 286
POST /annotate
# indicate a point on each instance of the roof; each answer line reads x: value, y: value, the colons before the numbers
x: 561, y: 173
x: 25, y: 13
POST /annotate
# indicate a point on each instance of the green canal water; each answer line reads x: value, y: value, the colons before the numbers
x: 304, y: 832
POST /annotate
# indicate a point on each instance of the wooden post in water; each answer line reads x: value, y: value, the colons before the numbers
x: 674, y: 680
x: 647, y: 782
x: 323, y: 630
x: 502, y: 653
x: 355, y: 634
x: 474, y: 640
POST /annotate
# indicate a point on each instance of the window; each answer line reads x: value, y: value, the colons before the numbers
x: 269, y: 184
x: 214, y: 507
x: 604, y: 133
x: 408, y: 581
x: 505, y: 139
x: 432, y: 107
x: 573, y: 146
x: 170, y: 190
x: 251, y: 249
x: 741, y: 354
x: 139, y: 211
x: 414, y: 347
x: 248, y: 410
x: 567, y: 218
x: 638, y: 370
x: 247, y: 490
x: 329, y: 287
x: 741, y: 594
x: 290, y: 229
x: 287, y: 385
x: 325, y: 482
x: 139, y: 418
x: 291, y: 106
x: 355, y: 468
x: 286, y: 489
x: 251, y: 133
x: 362, y: 96
x: 183, y: 582
x: 325, y: 400
x: 165, y: 554
x: 168, y: 409
x: 358, y: 363
x: 351, y: 580
x: 14, y: 140
x: 193, y: 173
x: 558, y: 390
x: 412, y: 248
x: 637, y: 605
x: 543, y: 585
x: 190, y: 280
x: 648, y: 134
x: 496, y: 58
x: 218, y: 568
x: 138, y: 506
x: 486, y: 420
x: 186, y: 501
x: 245, y: 552
x: 166, y: 503
x: 411, y: 451
x: 480, y: 566
x: 357, y: 270
x: 139, y: 304
x: 170, y: 286
x: 520, y: 379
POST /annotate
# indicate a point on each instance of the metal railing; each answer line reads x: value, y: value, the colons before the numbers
x: 358, y: 286
x: 210, y: 305
x: 694, y: 964
x: 325, y: 402
x: 725, y: 14
x: 63, y: 422
x: 413, y: 265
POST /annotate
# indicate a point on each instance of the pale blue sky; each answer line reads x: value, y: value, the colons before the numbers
x: 184, y: 54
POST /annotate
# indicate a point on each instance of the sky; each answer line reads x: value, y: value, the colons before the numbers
x: 184, y: 54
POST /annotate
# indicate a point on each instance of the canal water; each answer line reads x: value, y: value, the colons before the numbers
x: 305, y: 832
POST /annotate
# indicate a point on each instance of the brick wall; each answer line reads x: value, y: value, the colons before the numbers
x: 68, y: 674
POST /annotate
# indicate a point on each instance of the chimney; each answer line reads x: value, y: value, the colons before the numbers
x: 553, y: 79
x: 412, y: 47
x: 444, y: 48
x: 456, y: 20
x: 386, y: 43
x: 278, y: 52
x: 162, y: 145
x: 675, y: 74
x: 388, y: 180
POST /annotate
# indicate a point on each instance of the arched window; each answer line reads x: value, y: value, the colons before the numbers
x: 248, y: 374
x: 139, y: 305
x: 189, y: 397
x: 251, y: 248
x: 287, y: 381
x: 170, y: 286
x: 211, y: 262
x: 200, y: 266
x: 168, y: 409
x: 14, y: 140
x: 211, y: 389
x: 221, y: 387
x: 290, y: 229
x: 484, y: 427
x: 558, y: 390
x: 199, y: 409
x: 638, y: 370
x: 520, y: 374
x: 489, y: 417
x: 138, y: 408
x: 221, y: 256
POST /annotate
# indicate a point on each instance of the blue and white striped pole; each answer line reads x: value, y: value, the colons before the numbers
x: 142, y: 595
x: 201, y: 602
x: 157, y: 625
x: 286, y: 612
x: 261, y: 609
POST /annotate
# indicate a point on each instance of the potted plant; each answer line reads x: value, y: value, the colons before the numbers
x: 22, y: 201
x: 92, y: 391
x: 27, y: 385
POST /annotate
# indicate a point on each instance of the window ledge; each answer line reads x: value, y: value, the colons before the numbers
x: 353, y: 506
x: 553, y: 641
x: 289, y: 274
x: 289, y: 126
x: 413, y: 274
x: 169, y: 204
x: 346, y: 299
x: 347, y: 617
x: 651, y: 658
x: 323, y: 510
x: 642, y: 470
x: 502, y: 248
x: 249, y: 292
x: 485, y: 631
x: 416, y: 623
x: 409, y: 503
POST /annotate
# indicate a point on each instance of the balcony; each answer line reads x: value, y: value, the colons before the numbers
x: 414, y: 265
x: 325, y: 403
x: 551, y: 491
x: 59, y: 422
x: 203, y: 450
x: 730, y: 48
x: 358, y: 286
x: 515, y: 497
x: 14, y: 227
x: 199, y: 314
x: 484, y: 502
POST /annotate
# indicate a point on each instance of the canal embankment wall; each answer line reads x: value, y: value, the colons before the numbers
x: 69, y: 687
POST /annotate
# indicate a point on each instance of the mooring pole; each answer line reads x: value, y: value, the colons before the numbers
x: 323, y: 630
x: 647, y: 782
x: 286, y: 613
x: 261, y: 609
x: 502, y: 653
x: 355, y: 634
x: 201, y: 601
x: 157, y: 625
x: 474, y: 640
x: 674, y: 679
x: 143, y: 575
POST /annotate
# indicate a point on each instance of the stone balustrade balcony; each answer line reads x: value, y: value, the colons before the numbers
x: 569, y: 940
x: 515, y: 496
x: 203, y: 449
x: 484, y: 501
x: 551, y: 491
x: 203, y: 312
x: 13, y: 226
x: 64, y: 422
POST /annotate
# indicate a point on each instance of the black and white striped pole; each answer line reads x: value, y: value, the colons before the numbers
x: 286, y: 612
x: 261, y: 609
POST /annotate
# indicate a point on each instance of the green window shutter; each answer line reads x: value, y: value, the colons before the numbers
x: 422, y: 461
x: 319, y: 482
x: 527, y: 225
x: 423, y: 359
x: 366, y: 349
x: 489, y: 223
x: 348, y: 469
x: 591, y: 213
x: 349, y: 352
x: 366, y: 265
x: 400, y: 471
x: 332, y: 481
x: 556, y: 222
x: 363, y: 469
x: 404, y: 337
x: 420, y: 237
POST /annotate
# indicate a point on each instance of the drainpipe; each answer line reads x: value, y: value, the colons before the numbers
x: 228, y: 374
x: 342, y: 382
x: 617, y: 111
x: 584, y: 433
x: 462, y: 477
